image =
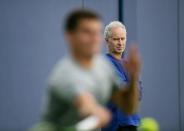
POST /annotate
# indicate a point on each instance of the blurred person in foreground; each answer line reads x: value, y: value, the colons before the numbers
x: 115, y: 36
x: 83, y: 81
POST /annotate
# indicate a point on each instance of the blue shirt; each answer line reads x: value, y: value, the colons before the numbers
x: 118, y: 117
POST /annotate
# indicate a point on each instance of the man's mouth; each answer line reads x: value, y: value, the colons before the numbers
x: 120, y: 48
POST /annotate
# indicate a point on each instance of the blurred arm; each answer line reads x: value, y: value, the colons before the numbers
x: 98, y: 116
x: 127, y: 98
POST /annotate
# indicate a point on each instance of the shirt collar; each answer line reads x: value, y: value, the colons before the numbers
x: 108, y: 54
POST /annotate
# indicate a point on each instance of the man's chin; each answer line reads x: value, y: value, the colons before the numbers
x: 119, y: 51
x: 91, y: 54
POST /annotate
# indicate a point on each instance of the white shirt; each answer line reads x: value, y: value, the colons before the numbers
x: 69, y: 79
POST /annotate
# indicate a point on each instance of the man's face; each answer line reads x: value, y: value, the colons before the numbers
x: 117, y: 41
x: 86, y: 40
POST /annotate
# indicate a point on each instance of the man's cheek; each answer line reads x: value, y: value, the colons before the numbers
x: 115, y: 44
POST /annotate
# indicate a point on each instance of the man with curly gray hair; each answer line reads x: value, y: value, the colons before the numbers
x: 115, y: 35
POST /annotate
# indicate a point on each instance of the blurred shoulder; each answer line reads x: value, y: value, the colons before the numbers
x: 104, y: 64
x: 61, y: 71
x: 107, y: 63
x: 103, y: 61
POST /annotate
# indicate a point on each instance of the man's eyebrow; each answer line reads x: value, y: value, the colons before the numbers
x: 115, y: 37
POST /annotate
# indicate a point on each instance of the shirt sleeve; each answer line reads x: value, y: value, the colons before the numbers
x: 117, y: 82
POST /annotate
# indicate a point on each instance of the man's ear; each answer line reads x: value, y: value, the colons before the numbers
x: 68, y: 36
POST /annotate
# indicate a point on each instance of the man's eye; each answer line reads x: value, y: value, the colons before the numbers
x: 115, y: 39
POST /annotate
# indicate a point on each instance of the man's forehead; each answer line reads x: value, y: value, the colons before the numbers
x: 118, y: 32
x: 90, y: 22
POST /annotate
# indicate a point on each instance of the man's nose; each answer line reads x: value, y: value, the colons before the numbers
x: 120, y: 42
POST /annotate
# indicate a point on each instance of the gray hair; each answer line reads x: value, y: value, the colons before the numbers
x: 113, y: 24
